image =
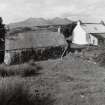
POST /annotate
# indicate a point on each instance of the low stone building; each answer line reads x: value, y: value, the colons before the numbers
x: 39, y: 44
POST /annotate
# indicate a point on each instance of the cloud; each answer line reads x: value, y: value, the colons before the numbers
x: 17, y: 10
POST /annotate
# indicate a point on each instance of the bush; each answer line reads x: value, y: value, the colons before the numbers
x: 68, y: 29
x: 100, y: 59
x: 14, y: 91
x: 27, y: 69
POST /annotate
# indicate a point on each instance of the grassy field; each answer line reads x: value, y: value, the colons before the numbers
x: 72, y: 81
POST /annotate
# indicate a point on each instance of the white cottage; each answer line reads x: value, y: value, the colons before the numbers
x: 88, y: 33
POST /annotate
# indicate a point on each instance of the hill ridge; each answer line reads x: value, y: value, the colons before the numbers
x: 30, y: 22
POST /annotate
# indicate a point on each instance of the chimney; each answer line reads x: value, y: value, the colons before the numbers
x: 79, y: 22
x: 59, y: 29
x: 102, y: 22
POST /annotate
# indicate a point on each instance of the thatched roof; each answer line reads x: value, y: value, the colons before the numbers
x: 34, y: 39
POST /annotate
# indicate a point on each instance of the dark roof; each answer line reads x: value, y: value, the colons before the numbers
x: 99, y: 35
x: 34, y: 39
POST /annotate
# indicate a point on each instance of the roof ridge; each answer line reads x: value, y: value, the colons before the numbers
x: 91, y: 23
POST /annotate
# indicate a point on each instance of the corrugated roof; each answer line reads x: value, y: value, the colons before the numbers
x: 93, y: 28
x: 34, y: 39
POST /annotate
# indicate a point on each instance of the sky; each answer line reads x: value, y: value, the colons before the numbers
x: 19, y: 10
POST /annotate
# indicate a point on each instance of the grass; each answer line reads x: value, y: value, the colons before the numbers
x: 12, y: 92
x: 76, y: 81
x: 26, y: 69
x: 100, y: 59
x: 15, y: 91
x: 72, y: 81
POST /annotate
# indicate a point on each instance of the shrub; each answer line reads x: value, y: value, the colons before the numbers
x: 100, y: 59
x: 27, y: 69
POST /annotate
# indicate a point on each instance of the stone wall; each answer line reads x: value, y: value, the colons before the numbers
x: 25, y: 55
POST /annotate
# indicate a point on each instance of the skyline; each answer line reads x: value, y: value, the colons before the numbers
x: 19, y: 10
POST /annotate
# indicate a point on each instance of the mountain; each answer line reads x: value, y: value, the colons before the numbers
x: 29, y: 23
x: 39, y: 22
x: 58, y: 20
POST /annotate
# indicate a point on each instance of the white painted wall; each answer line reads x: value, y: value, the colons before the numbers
x: 79, y: 35
x: 7, y: 58
x: 93, y: 40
